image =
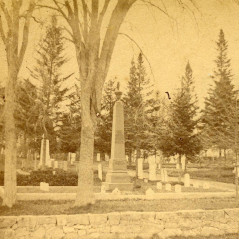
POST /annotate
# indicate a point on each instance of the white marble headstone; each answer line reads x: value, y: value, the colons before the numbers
x: 186, y: 180
x: 106, y: 157
x: 100, y: 171
x: 55, y: 164
x: 98, y: 157
x: 152, y: 168
x: 140, y: 168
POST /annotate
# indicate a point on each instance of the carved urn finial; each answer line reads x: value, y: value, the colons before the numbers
x: 118, y: 92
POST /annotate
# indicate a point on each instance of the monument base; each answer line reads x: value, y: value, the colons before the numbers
x: 120, y: 186
x: 118, y: 179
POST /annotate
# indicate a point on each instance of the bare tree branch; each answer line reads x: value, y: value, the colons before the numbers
x: 6, y: 13
x: 26, y: 32
x: 132, y: 40
x: 61, y: 11
x: 3, y: 36
x: 105, y: 6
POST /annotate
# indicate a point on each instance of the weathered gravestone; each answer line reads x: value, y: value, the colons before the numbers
x: 55, y: 164
x: 140, y: 168
x: 152, y: 168
x: 106, y: 157
x: 117, y: 176
x: 100, y: 171
x: 159, y: 185
x: 168, y: 187
x: 73, y: 158
x: 65, y: 165
x: 44, y: 154
x: 178, y: 188
x: 116, y: 191
x: 44, y: 186
x: 149, y: 192
x: 69, y: 157
x: 98, y: 157
x: 183, y: 162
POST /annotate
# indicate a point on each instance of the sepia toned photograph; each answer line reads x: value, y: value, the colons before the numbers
x: 119, y: 119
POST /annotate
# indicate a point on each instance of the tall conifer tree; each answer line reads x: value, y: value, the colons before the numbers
x: 220, y: 116
x: 181, y: 135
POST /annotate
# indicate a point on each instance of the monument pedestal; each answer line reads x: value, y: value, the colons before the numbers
x: 118, y: 179
x: 117, y: 176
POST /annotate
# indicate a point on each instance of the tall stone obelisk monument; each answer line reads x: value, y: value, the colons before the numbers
x: 117, y: 176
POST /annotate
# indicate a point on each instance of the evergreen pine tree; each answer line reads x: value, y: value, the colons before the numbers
x: 220, y: 116
x: 47, y: 71
x: 181, y: 135
x: 137, y: 102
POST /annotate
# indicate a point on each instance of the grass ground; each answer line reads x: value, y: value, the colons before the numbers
x: 139, y: 188
x: 219, y: 174
x: 67, y: 207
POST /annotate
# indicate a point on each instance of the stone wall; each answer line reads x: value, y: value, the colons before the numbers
x: 122, y: 225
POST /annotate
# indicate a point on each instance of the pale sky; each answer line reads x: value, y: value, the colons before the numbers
x: 167, y: 44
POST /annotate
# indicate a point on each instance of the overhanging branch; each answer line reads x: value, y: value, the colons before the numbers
x: 132, y: 40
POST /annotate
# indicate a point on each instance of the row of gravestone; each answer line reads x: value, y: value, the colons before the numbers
x: 54, y: 164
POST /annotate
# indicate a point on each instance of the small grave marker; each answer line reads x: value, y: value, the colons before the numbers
x: 100, y: 171
x: 186, y: 180
x: 149, y: 192
x: 183, y: 162
x: 106, y: 157
x: 178, y: 188
x: 103, y: 189
x: 55, y: 164
x: 98, y: 157
x: 44, y: 186
x: 140, y: 168
x: 159, y: 185
x: 152, y: 168
x: 116, y: 191
x: 65, y: 166
x: 168, y: 187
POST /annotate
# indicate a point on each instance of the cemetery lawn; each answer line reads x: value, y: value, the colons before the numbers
x: 218, y: 174
x: 66, y: 207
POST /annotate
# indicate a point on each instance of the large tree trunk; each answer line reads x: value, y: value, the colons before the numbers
x: 10, y: 141
x: 85, y: 193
